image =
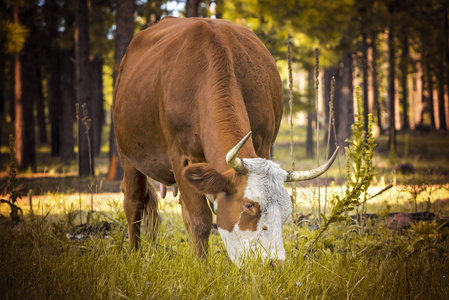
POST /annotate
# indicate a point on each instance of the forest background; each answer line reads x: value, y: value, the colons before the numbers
x: 55, y: 54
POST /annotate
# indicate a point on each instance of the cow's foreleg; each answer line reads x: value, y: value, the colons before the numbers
x: 196, y: 214
x: 137, y: 197
x: 197, y: 219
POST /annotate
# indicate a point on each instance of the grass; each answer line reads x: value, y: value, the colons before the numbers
x: 426, y: 152
x: 351, y: 260
x: 38, y: 261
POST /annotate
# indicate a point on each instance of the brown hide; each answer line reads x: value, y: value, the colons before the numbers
x: 195, y: 87
x: 187, y: 92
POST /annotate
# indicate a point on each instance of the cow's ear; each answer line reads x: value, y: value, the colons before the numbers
x: 205, y: 179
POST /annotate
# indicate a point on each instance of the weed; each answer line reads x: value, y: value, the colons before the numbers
x: 290, y: 89
x: 414, y: 187
x: 13, y: 193
x: 418, y: 185
x: 426, y: 229
x: 359, y: 167
x: 376, y: 265
x: 317, y: 84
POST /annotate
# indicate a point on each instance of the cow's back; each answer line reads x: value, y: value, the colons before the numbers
x: 180, y: 79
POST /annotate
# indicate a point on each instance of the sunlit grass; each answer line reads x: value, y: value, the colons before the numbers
x: 426, y: 152
x: 38, y: 261
x: 351, y: 260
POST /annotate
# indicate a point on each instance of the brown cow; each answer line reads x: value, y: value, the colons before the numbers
x: 188, y: 92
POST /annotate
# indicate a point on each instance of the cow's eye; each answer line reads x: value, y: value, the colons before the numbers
x: 249, y: 205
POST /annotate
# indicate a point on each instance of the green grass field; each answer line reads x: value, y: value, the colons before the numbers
x: 41, y: 259
x: 350, y: 261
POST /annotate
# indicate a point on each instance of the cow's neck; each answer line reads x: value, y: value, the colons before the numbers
x: 224, y: 117
x: 222, y: 133
x: 216, y: 156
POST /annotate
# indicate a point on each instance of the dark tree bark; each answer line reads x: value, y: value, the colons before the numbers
x: 390, y: 83
x: 404, y: 73
x: 124, y: 34
x: 40, y: 110
x: 219, y: 9
x: 345, y: 107
x: 12, y: 93
x: 427, y: 84
x: 83, y: 86
x: 365, y: 80
x: 442, y: 69
x: 68, y: 89
x: 430, y: 100
x: 192, y: 8
x: 97, y: 110
x: 55, y: 73
x: 376, y: 100
x: 25, y: 76
x: 423, y: 97
x: 310, y: 113
x: 327, y: 78
x: 124, y: 31
x: 2, y: 90
x: 68, y: 97
x: 446, y: 40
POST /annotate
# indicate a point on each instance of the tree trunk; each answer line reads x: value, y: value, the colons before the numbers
x: 390, y: 86
x: 327, y: 78
x: 40, y: 110
x: 192, y: 8
x: 68, y: 97
x: 446, y: 41
x: 219, y: 9
x: 376, y: 100
x: 68, y: 93
x: 55, y: 73
x: 25, y: 70
x: 97, y: 110
x: 404, y: 74
x: 365, y: 80
x: 310, y: 113
x: 422, y: 92
x: 85, y: 157
x: 430, y: 101
x: 2, y: 91
x: 442, y: 69
x: 12, y: 95
x: 345, y: 108
x: 124, y: 34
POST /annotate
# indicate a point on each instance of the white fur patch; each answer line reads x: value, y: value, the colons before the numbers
x: 266, y: 187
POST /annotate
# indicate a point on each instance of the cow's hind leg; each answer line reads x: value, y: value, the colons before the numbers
x: 151, y: 216
x: 140, y: 199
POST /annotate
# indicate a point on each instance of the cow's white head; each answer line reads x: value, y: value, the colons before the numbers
x: 251, y: 202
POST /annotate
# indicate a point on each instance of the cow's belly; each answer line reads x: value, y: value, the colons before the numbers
x: 143, y: 145
x: 151, y: 161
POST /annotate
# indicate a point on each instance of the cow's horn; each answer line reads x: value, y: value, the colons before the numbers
x: 232, y: 159
x: 307, y: 175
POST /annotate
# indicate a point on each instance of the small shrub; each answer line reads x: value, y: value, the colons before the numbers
x: 13, y: 193
x: 359, y: 167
